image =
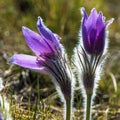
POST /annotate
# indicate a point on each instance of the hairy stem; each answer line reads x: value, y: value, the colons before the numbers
x: 88, y: 107
x: 68, y: 109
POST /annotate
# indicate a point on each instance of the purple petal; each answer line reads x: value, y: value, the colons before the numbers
x: 50, y: 37
x: 86, y: 40
x: 35, y: 41
x: 93, y: 14
x: 85, y: 16
x: 45, y: 32
x: 99, y: 23
x: 92, y: 36
x: 57, y: 36
x: 91, y: 21
x: 26, y: 61
x: 100, y: 42
x: 109, y: 22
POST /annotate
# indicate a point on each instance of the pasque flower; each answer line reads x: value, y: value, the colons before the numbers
x: 44, y: 45
x: 94, y: 31
x: 49, y: 59
x: 91, y: 52
x: 94, y: 41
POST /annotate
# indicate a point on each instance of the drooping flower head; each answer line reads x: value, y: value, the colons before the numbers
x: 49, y: 56
x: 94, y: 31
x: 45, y: 44
x: 49, y: 59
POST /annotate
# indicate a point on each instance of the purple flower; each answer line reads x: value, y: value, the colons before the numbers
x: 44, y: 45
x: 94, y: 32
x: 48, y: 59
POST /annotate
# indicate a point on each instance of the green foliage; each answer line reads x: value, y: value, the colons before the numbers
x: 62, y: 17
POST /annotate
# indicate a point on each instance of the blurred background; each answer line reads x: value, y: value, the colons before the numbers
x: 64, y: 18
